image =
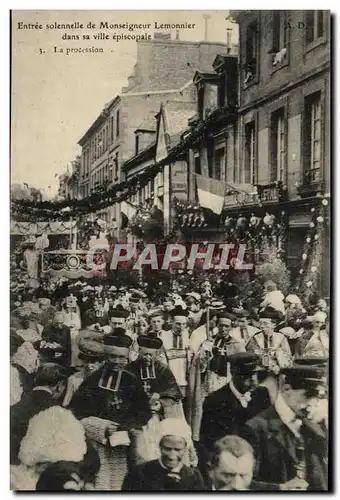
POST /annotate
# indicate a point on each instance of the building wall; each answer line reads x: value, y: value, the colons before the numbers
x: 305, y: 71
x: 302, y: 60
x: 151, y: 73
x: 164, y: 64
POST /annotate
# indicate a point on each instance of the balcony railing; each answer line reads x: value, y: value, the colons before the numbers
x: 274, y: 191
x: 243, y: 198
x: 263, y: 193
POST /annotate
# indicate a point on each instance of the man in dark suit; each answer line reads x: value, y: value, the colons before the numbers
x: 225, y: 411
x: 50, y: 384
x: 290, y: 438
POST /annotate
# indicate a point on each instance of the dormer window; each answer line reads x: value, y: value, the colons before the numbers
x: 227, y: 69
x: 207, y: 93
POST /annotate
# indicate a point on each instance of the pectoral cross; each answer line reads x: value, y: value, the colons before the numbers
x: 223, y: 351
x: 146, y: 386
x: 116, y: 402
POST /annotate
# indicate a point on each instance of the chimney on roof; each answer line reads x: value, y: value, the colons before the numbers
x: 206, y: 26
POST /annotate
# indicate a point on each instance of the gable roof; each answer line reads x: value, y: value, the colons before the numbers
x: 176, y: 116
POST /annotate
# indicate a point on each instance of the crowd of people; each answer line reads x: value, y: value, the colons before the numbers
x: 113, y: 390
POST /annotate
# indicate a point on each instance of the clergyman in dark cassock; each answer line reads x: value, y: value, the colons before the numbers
x: 155, y: 376
x: 290, y: 438
x: 111, y: 402
x: 163, y: 392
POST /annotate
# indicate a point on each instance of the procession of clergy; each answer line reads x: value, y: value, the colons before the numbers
x: 114, y: 390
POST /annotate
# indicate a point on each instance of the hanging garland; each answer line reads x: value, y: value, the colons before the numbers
x: 188, y: 214
x: 103, y: 196
x: 311, y: 259
x: 147, y: 223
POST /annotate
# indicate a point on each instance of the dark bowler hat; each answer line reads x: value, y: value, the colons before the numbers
x: 118, y: 312
x: 271, y: 313
x: 118, y: 341
x: 244, y: 363
x: 51, y: 374
x: 149, y: 342
x: 179, y: 311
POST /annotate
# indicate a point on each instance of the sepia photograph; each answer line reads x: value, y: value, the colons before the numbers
x: 170, y: 250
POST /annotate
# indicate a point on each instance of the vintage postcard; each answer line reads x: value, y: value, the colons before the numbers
x: 170, y: 250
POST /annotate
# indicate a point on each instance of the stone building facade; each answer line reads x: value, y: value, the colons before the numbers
x: 110, y: 139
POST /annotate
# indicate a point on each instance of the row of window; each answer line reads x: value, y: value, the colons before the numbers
x: 314, y: 27
x: 312, y: 139
x: 101, y: 142
x: 143, y: 194
x: 108, y: 173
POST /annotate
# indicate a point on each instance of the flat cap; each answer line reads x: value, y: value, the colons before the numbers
x: 244, y: 362
x: 307, y: 373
